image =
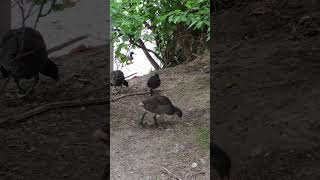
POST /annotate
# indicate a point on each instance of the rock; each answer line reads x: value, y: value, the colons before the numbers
x: 194, y: 165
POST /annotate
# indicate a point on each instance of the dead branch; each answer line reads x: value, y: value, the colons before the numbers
x: 40, y: 14
x: 61, y: 104
x: 130, y: 75
x: 53, y: 3
x: 51, y: 106
x: 127, y: 95
x: 166, y: 171
x: 65, y: 44
x: 19, y: 3
x: 29, y: 13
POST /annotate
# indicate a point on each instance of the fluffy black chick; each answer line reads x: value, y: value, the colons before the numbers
x: 153, y: 83
x: 159, y: 105
x: 118, y: 79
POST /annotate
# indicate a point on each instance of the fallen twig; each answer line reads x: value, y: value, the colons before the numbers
x: 170, y: 173
x: 196, y: 174
x: 130, y: 75
x: 131, y: 94
x: 51, y: 106
x: 65, y: 44
x: 62, y: 104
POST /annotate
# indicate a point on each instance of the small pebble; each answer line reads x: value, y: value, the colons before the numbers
x: 194, y: 165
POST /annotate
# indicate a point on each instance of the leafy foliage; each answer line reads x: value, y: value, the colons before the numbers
x: 132, y: 18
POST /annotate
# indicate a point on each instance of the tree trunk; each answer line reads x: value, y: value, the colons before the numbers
x: 151, y: 60
x: 5, y: 17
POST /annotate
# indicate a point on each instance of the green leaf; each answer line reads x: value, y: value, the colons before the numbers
x: 170, y: 19
x: 176, y: 19
x: 199, y: 25
x: 193, y: 23
x: 129, y: 16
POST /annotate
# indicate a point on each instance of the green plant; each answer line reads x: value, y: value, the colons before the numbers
x: 202, y: 137
x: 162, y: 18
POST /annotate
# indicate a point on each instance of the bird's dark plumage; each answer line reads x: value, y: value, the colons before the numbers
x: 24, y: 55
x: 220, y: 161
x: 130, y: 56
x: 153, y: 83
x: 118, y: 79
x: 159, y: 105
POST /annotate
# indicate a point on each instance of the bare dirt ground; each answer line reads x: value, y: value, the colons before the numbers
x: 145, y: 152
x: 57, y: 144
x: 266, y: 91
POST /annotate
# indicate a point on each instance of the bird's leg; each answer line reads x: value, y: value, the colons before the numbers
x: 35, y: 82
x: 120, y: 89
x: 151, y: 92
x: 143, y: 117
x: 155, y: 120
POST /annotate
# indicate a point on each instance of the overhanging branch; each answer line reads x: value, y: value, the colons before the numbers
x: 149, y: 50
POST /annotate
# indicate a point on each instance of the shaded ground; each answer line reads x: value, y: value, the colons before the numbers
x: 57, y: 144
x: 266, y: 91
x: 144, y: 152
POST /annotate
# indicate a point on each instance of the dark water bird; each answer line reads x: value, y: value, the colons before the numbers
x: 118, y: 79
x: 220, y: 161
x: 159, y: 105
x: 129, y: 56
x: 23, y: 56
x: 153, y: 83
